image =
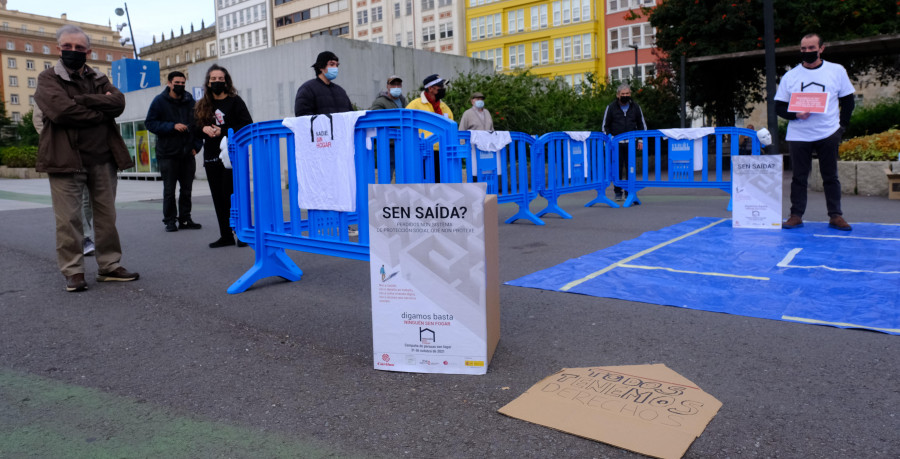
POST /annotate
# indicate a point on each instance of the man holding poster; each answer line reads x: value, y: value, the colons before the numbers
x: 816, y: 120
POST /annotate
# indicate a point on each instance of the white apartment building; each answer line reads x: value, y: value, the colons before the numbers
x: 431, y: 25
x: 243, y: 26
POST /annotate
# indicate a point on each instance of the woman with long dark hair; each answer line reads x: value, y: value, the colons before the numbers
x: 220, y: 109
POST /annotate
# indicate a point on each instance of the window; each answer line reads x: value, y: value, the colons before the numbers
x: 16, y: 117
x: 32, y: 82
x: 586, y: 50
x: 409, y: 38
x: 428, y: 34
x: 47, y: 65
x: 376, y: 14
x: 567, y: 49
x: 557, y: 17
x: 535, y: 53
x: 516, y: 56
x: 566, y: 11
x: 624, y: 73
x: 446, y: 30
x: 14, y: 99
x: 177, y: 58
x: 545, y: 52
x: 46, y: 49
x: 169, y: 60
x: 397, y: 12
x: 576, y: 47
x: 398, y: 38
x: 10, y: 45
x: 620, y: 38
x: 31, y: 100
x: 362, y: 17
x: 516, y: 21
x: 408, y: 7
x: 29, y: 64
x: 28, y: 48
x: 13, y: 80
x: 93, y: 55
x: 11, y: 62
x: 427, y: 5
x: 557, y: 50
x: 613, y: 6
x: 538, y: 17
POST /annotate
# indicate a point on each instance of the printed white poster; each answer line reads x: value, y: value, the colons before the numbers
x: 427, y: 255
x: 756, y: 191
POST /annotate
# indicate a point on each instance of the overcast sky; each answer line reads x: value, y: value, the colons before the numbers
x: 149, y: 17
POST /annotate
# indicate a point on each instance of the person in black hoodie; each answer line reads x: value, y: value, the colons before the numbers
x: 220, y: 109
x: 621, y: 116
x: 321, y: 95
x: 171, y: 118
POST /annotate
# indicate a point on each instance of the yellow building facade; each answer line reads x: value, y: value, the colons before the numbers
x: 550, y: 38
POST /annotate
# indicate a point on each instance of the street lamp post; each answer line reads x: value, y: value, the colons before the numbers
x: 120, y: 12
x: 636, y: 68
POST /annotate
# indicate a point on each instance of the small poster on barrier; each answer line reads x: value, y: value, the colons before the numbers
x: 434, y: 277
x: 756, y: 189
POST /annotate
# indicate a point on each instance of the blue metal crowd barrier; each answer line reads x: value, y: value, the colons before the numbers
x: 507, y: 172
x: 258, y: 208
x: 680, y: 165
x: 566, y: 165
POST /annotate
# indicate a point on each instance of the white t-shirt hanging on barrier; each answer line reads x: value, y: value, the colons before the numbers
x: 324, y: 150
x: 829, y: 78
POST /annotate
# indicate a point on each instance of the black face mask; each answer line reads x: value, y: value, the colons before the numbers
x: 217, y: 87
x: 440, y: 94
x: 809, y: 56
x: 625, y: 100
x: 73, y: 60
x: 178, y: 89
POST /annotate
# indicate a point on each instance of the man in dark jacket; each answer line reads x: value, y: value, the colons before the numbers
x: 392, y: 97
x: 171, y: 118
x: 321, y: 95
x: 81, y: 146
x: 621, y: 116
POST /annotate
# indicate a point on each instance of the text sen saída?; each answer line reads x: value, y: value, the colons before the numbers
x: 756, y: 166
x: 437, y: 211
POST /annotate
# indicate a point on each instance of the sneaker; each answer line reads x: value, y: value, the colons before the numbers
x: 189, y: 224
x: 171, y: 228
x: 837, y: 222
x: 222, y: 242
x: 620, y: 197
x: 76, y: 283
x: 88, y: 247
x: 120, y: 274
x: 795, y: 221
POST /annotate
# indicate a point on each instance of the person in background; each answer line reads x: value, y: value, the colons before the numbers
x: 815, y: 132
x: 80, y: 146
x: 321, y: 95
x: 220, y: 109
x: 392, y: 97
x: 621, y: 116
x: 476, y: 118
x: 745, y: 147
x: 431, y: 100
x: 171, y: 118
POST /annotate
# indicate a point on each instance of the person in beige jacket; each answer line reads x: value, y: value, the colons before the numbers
x: 476, y: 118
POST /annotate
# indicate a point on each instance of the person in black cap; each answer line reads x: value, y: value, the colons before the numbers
x: 392, y: 97
x: 321, y: 95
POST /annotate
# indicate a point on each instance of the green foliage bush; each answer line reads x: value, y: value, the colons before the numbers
x: 18, y: 156
x: 536, y: 105
x: 872, y: 119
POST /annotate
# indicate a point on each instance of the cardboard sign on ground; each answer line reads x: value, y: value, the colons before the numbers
x: 648, y: 409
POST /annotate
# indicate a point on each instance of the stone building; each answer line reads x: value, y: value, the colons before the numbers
x: 177, y: 53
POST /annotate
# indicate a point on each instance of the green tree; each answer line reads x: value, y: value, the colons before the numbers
x: 708, y: 27
x: 26, y: 132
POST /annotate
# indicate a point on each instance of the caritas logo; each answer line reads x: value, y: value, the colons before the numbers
x: 385, y: 361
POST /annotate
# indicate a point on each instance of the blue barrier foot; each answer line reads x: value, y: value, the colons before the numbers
x: 524, y: 214
x: 274, y: 263
x: 602, y: 199
x: 730, y: 201
x: 632, y: 200
x: 553, y: 208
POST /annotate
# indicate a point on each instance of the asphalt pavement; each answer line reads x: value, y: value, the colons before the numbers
x: 173, y: 366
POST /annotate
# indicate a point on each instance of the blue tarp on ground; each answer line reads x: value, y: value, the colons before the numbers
x: 813, y: 274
